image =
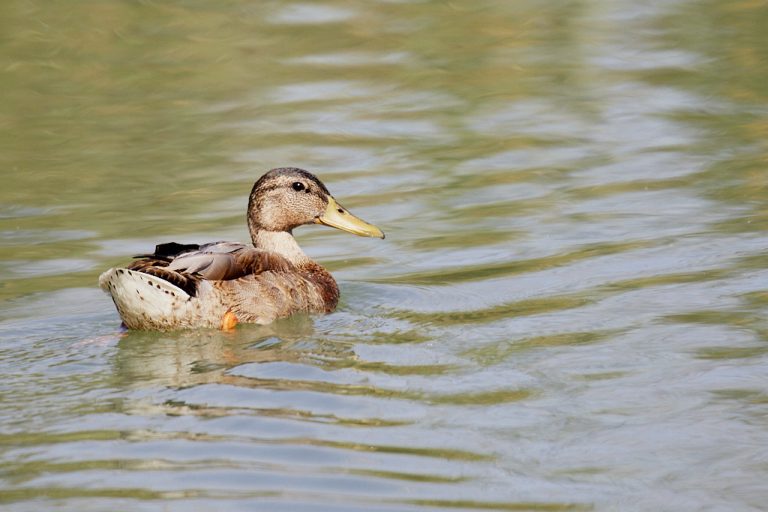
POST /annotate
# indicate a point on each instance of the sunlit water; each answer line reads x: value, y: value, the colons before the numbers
x: 568, y: 313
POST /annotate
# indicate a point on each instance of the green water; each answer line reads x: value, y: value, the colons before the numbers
x: 568, y: 313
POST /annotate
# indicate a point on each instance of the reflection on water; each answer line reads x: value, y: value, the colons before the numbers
x: 568, y: 312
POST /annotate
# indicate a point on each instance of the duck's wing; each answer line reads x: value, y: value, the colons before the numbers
x: 217, y: 261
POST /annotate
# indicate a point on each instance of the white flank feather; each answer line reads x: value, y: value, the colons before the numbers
x: 143, y: 300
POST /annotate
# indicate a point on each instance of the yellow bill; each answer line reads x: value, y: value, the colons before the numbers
x: 338, y: 217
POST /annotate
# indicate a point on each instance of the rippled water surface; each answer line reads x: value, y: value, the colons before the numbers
x: 568, y: 313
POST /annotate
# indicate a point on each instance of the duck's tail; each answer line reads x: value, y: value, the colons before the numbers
x: 145, y: 301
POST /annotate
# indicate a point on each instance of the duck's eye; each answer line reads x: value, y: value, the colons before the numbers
x: 298, y: 186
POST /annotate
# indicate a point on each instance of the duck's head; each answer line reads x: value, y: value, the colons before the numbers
x: 286, y: 198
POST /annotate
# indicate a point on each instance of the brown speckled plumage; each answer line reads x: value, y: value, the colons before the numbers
x: 222, y: 283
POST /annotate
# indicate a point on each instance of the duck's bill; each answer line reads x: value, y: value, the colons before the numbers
x: 338, y: 217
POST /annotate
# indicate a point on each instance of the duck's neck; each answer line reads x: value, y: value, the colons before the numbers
x: 282, y: 243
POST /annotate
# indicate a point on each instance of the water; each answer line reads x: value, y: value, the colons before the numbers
x: 568, y: 312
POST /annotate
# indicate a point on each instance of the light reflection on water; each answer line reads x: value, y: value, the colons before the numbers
x: 567, y: 313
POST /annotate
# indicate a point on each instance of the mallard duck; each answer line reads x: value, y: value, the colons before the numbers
x: 221, y: 284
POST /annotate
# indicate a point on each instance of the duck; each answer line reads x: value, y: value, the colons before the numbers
x: 223, y: 284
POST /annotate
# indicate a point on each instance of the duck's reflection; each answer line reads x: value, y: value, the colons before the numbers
x: 189, y: 358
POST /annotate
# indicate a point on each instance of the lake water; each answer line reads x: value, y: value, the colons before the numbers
x: 568, y: 313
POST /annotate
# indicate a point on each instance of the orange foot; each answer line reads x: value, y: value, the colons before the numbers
x: 229, y: 321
